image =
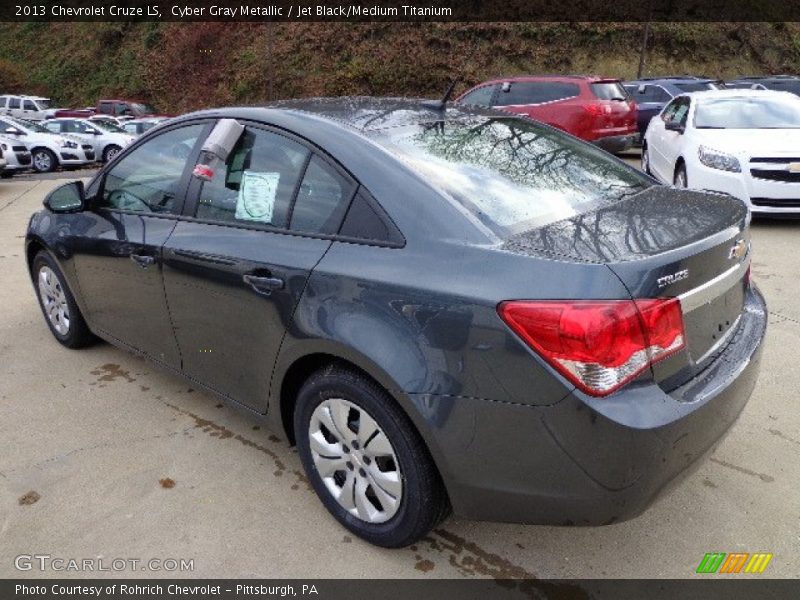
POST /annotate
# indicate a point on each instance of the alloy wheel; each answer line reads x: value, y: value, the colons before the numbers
x: 355, y: 460
x: 54, y: 300
x: 42, y: 161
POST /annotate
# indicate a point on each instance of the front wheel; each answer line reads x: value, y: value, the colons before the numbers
x: 646, y: 159
x: 44, y: 161
x: 681, y: 180
x: 365, y: 460
x: 110, y: 152
x: 58, y: 305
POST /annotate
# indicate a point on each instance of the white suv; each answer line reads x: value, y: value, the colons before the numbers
x: 32, y: 108
x: 48, y: 150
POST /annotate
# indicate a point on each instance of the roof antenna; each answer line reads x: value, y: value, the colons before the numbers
x: 440, y: 105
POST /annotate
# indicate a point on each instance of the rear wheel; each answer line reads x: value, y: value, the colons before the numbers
x: 58, y: 305
x: 365, y: 460
x: 44, y: 161
x: 681, y: 180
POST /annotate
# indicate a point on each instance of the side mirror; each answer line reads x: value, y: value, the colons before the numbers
x: 69, y: 197
x: 673, y: 126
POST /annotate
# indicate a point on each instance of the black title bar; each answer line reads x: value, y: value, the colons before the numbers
x: 401, y: 10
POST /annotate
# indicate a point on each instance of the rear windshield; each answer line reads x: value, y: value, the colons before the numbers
x: 512, y: 174
x: 609, y: 90
x: 748, y: 113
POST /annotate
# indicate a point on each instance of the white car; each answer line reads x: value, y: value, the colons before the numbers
x: 106, y: 138
x: 48, y: 150
x: 139, y: 126
x: 16, y: 154
x: 745, y: 143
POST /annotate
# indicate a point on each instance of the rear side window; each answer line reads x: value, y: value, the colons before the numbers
x: 322, y: 200
x: 648, y: 93
x: 609, y: 90
x: 480, y: 97
x: 3, y: 100
x: 536, y: 92
x: 13, y: 103
x: 258, y: 182
x: 695, y: 87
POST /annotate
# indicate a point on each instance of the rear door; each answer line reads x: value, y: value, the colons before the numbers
x: 118, y: 242
x: 237, y: 266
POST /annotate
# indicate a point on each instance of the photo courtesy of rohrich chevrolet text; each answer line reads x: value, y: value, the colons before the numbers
x: 442, y: 299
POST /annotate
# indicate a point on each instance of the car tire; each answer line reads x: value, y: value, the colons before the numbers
x: 386, y: 491
x: 680, y: 180
x: 61, y: 312
x: 646, y: 159
x: 110, y: 152
x: 43, y: 160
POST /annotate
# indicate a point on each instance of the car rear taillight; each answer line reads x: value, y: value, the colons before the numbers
x: 598, y: 345
x: 596, y: 110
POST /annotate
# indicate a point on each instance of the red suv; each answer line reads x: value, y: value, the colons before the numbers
x: 595, y: 109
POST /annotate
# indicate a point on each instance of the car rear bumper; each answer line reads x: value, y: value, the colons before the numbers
x: 590, y: 461
x: 616, y: 143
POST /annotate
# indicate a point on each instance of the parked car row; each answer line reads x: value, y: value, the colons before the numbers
x: 39, y: 108
x: 611, y: 113
x: 57, y: 142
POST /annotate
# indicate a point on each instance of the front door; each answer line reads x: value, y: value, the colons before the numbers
x: 118, y: 254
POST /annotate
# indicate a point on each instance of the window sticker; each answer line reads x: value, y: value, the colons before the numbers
x: 256, y: 199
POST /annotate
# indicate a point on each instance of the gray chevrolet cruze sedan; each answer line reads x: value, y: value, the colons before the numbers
x: 441, y: 306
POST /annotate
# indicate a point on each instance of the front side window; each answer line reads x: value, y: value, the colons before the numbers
x: 106, y: 108
x: 669, y: 111
x: 681, y: 112
x: 28, y: 105
x: 653, y: 93
x: 148, y: 178
x: 480, y: 97
x: 257, y: 184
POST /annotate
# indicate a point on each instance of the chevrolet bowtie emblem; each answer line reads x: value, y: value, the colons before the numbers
x: 738, y: 250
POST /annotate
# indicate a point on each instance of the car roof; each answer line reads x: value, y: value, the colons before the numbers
x: 670, y: 80
x: 711, y: 94
x: 515, y: 78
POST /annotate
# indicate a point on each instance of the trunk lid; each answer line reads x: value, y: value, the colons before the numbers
x: 665, y: 243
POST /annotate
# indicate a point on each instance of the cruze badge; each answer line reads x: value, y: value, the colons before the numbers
x: 738, y: 250
x: 674, y: 278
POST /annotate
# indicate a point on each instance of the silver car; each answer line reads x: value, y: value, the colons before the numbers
x: 16, y: 154
x: 106, y: 138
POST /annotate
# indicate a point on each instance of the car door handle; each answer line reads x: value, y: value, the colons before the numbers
x: 143, y: 260
x: 263, y: 284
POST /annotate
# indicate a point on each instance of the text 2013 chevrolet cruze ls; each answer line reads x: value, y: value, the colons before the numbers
x: 441, y: 307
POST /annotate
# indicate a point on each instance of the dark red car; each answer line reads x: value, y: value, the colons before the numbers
x: 114, y: 108
x: 595, y: 109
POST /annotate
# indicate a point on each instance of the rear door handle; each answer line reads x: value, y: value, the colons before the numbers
x: 263, y: 284
x: 143, y: 260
